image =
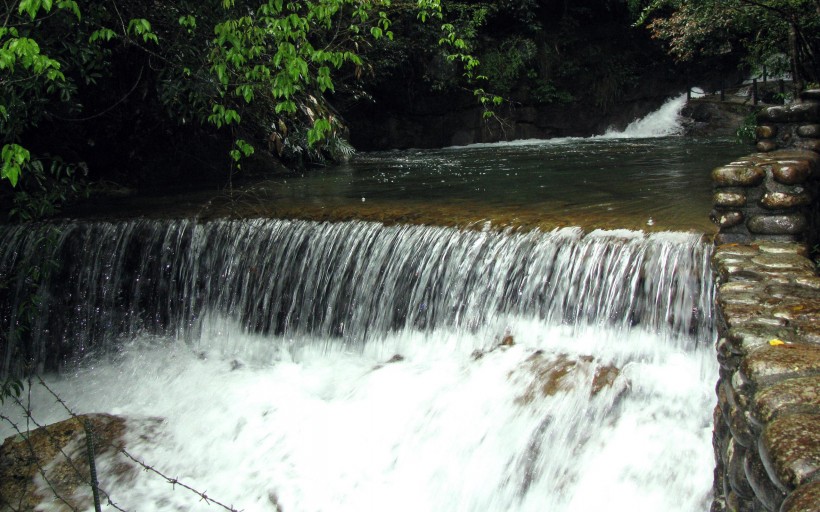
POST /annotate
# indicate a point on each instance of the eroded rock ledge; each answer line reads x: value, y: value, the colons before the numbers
x: 767, y: 421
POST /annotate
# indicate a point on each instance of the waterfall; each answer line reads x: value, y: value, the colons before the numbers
x: 661, y: 123
x: 355, y: 366
x: 348, y: 282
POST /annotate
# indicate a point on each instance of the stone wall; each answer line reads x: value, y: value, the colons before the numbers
x: 774, y: 194
x: 767, y: 422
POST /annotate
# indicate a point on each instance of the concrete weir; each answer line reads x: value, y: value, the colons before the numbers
x: 767, y: 421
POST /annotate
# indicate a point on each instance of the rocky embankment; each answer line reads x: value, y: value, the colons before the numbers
x: 767, y: 422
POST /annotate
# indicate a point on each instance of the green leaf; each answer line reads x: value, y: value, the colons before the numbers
x: 14, y: 157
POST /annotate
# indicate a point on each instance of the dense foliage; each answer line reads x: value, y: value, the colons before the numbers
x: 84, y: 81
x: 780, y: 35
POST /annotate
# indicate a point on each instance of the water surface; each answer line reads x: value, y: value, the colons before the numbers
x: 649, y: 183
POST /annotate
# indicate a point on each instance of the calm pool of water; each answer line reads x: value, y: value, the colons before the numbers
x: 655, y: 183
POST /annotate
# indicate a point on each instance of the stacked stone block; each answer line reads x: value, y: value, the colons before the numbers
x: 791, y: 126
x: 766, y: 196
x: 767, y: 421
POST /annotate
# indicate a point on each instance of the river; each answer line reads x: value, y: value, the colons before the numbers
x: 353, y: 365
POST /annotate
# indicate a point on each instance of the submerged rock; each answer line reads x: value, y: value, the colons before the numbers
x: 49, y: 466
x: 554, y: 374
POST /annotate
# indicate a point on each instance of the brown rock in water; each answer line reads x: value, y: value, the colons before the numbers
x: 792, y: 173
x: 777, y: 224
x: 552, y: 375
x: 43, y: 453
x: 809, y: 130
x: 765, y: 146
x: 738, y: 176
x: 782, y: 200
x: 726, y: 219
x: 765, y: 131
x: 507, y: 341
x: 729, y: 199
x: 810, y: 144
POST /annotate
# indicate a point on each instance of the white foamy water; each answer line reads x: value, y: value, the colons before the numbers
x: 663, y: 122
x: 305, y: 425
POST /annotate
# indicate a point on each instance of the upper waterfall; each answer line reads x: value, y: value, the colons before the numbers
x: 661, y: 123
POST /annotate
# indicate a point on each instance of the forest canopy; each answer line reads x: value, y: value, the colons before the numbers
x: 778, y: 35
x: 140, y: 90
x: 258, y: 71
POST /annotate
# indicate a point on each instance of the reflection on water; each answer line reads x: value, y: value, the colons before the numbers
x: 659, y: 183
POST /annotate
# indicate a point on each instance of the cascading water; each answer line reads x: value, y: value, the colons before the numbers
x: 351, y: 281
x: 355, y: 366
x: 663, y: 122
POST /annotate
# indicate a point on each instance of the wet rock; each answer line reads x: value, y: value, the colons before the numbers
x: 769, y: 364
x: 731, y: 238
x: 397, y: 358
x: 787, y: 156
x: 739, y: 314
x: 783, y: 261
x: 794, y: 113
x: 792, y: 173
x: 809, y: 130
x: 735, y: 416
x: 773, y: 115
x: 753, y: 273
x: 800, y: 395
x: 808, y: 333
x: 735, y: 503
x: 604, y: 377
x: 764, y: 490
x: 777, y: 224
x: 729, y: 199
x: 726, y: 219
x: 805, y: 499
x: 812, y: 282
x: 734, y: 176
x: 782, y: 200
x: 741, y: 298
x: 790, y: 450
x: 782, y: 248
x: 726, y: 356
x: 810, y: 144
x: 766, y: 131
x: 802, y: 312
x: 793, y: 291
x: 560, y: 373
x: 21, y: 462
x: 765, y: 146
x: 735, y: 471
x: 803, y: 112
x: 747, y: 337
x: 736, y: 250
x: 740, y: 287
